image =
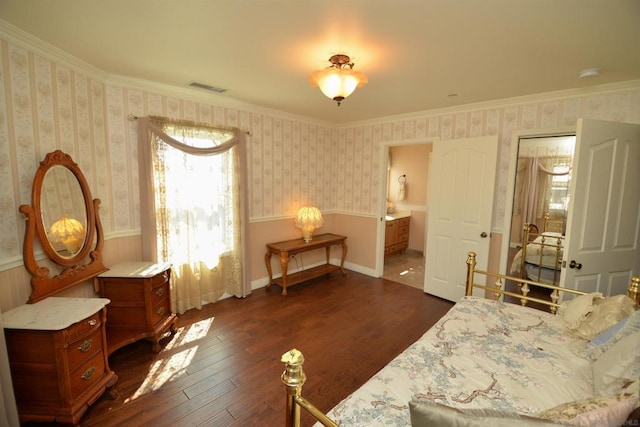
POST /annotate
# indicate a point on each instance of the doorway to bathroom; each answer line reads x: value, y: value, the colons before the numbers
x: 406, y: 216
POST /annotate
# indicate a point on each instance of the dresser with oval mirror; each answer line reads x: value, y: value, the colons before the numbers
x: 57, y: 346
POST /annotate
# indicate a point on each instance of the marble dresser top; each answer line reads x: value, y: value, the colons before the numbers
x: 52, y: 314
x: 136, y: 269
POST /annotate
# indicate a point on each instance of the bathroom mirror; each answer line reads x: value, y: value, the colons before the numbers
x: 64, y: 219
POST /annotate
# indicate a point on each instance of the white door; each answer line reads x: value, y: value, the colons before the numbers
x: 461, y: 186
x: 603, y: 227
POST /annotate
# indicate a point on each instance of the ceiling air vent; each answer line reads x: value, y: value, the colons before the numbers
x: 207, y: 87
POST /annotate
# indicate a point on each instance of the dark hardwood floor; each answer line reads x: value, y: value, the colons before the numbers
x: 223, y: 366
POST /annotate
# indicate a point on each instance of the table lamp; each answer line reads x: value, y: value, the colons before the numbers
x: 308, y: 219
x: 69, y: 232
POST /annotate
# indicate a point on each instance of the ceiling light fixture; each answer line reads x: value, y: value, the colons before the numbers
x: 338, y: 80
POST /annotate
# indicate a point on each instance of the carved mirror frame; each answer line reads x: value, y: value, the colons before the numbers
x: 76, y: 268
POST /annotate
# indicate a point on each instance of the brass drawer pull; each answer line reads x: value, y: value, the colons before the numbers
x: 88, y: 373
x: 160, y: 311
x: 86, y: 345
x: 93, y: 322
x: 160, y: 292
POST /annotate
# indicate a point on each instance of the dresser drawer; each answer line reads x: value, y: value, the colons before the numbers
x: 87, y: 374
x: 398, y: 247
x: 78, y: 352
x: 121, y: 290
x: 83, y: 328
x: 404, y: 222
x: 160, y: 311
x: 160, y: 279
x: 159, y: 293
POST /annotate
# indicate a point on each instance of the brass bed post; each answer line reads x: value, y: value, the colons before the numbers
x: 525, y: 242
x: 293, y: 378
x: 547, y: 216
x: 634, y: 290
x: 471, y: 266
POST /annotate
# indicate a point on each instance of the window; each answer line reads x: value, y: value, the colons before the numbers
x: 195, y: 212
x: 559, y: 190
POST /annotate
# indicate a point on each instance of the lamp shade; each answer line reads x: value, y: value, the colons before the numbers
x: 308, y: 219
x: 68, y: 231
x: 338, y: 83
x: 339, y: 80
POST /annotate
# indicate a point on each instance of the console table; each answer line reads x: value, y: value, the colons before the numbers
x: 288, y: 248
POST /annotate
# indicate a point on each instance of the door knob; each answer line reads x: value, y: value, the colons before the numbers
x: 483, y: 234
x: 574, y: 264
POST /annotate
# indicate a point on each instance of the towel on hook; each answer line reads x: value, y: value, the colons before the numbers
x: 401, y: 187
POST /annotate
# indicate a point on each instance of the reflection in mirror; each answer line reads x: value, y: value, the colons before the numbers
x: 541, y: 190
x: 543, y: 176
x: 63, y: 211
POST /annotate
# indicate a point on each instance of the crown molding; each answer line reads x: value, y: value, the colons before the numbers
x: 27, y: 41
x: 198, y: 95
x: 38, y: 46
x: 33, y: 44
x: 607, y: 88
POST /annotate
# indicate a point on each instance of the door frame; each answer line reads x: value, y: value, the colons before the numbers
x: 516, y: 136
x: 382, y: 202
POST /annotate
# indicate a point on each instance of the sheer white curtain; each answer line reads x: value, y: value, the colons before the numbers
x: 532, y: 193
x: 193, y: 208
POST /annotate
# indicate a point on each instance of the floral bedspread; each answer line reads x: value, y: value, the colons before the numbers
x: 481, y: 354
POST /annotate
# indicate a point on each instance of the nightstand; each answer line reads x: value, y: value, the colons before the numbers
x: 140, y: 306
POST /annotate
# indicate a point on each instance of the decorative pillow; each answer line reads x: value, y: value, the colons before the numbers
x: 603, y: 342
x: 426, y: 413
x: 593, y: 411
x: 618, y: 366
x: 575, y: 311
x: 607, y: 335
x: 605, y: 314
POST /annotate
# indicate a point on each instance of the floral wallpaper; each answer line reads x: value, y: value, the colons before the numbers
x: 49, y: 103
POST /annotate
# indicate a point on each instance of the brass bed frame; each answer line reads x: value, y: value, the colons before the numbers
x: 553, y: 244
x: 294, y: 377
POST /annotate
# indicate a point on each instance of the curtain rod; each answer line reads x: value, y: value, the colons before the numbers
x: 133, y: 117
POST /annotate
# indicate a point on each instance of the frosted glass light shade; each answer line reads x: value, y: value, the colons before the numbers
x: 338, y: 83
x: 339, y: 80
x: 68, y: 231
x: 308, y: 219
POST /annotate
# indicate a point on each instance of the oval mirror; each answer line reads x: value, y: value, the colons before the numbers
x: 63, y: 212
x: 64, y: 219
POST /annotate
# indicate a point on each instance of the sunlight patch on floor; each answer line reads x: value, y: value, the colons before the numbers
x: 189, y: 334
x: 166, y: 368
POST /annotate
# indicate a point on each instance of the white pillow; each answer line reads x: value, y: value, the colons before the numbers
x: 607, y: 339
x: 575, y: 311
x: 617, y: 366
x: 605, y: 314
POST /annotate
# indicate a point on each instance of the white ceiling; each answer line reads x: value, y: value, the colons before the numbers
x: 416, y: 53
